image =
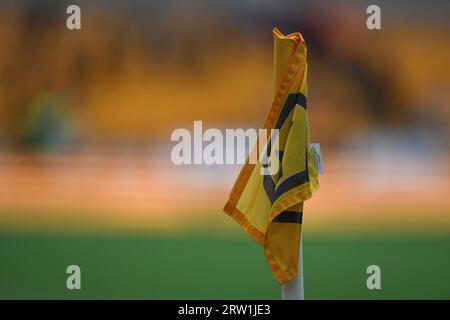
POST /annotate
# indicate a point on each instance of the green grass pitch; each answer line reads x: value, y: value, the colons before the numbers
x: 217, y: 266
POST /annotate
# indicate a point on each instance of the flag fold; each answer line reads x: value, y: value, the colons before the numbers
x: 269, y: 207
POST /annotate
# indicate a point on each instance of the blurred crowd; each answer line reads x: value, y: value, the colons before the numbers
x: 86, y: 115
x: 137, y: 70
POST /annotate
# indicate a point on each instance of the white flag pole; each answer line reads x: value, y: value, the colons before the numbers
x: 293, y: 290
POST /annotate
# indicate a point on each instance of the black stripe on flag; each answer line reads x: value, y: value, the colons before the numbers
x: 289, y: 217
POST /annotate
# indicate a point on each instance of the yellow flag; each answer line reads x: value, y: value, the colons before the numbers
x: 269, y: 207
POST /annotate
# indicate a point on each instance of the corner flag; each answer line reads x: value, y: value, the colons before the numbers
x: 270, y: 207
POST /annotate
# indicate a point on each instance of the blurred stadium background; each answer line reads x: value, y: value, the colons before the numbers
x: 85, y: 170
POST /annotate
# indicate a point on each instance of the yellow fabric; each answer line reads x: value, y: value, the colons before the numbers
x: 269, y: 208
